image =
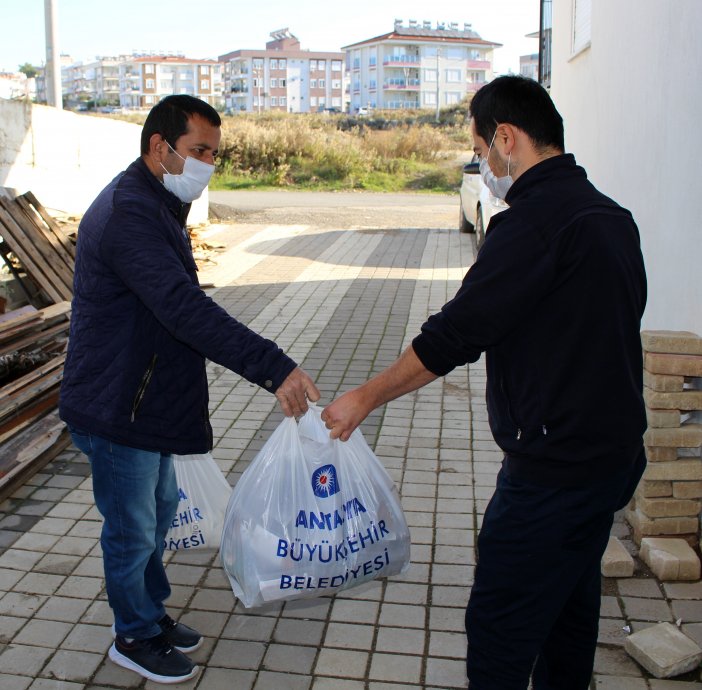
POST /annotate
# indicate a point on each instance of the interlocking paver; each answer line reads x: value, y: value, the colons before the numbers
x: 344, y: 304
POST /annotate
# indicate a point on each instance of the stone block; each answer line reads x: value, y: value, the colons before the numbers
x: 662, y: 382
x: 685, y: 436
x: 674, y: 342
x: 644, y: 526
x: 663, y: 650
x: 683, y: 469
x: 673, y: 365
x: 616, y: 560
x: 687, y: 400
x: 670, y: 559
x: 662, y: 419
x: 661, y: 453
x: 687, y: 489
x: 668, y: 507
x: 658, y: 489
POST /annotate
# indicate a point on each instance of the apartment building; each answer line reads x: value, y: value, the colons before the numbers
x: 283, y: 77
x: 141, y: 81
x: 418, y: 66
x: 92, y: 81
x: 145, y: 80
x: 17, y: 86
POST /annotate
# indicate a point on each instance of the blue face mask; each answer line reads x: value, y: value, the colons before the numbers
x: 498, y: 186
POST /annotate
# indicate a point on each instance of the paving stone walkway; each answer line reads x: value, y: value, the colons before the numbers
x: 343, y: 304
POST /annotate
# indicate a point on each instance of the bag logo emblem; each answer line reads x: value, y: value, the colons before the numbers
x: 324, y: 482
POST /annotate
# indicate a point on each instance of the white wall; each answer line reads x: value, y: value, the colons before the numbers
x: 65, y: 158
x: 631, y: 104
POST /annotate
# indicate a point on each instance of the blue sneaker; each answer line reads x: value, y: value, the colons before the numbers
x: 154, y: 658
x: 180, y: 635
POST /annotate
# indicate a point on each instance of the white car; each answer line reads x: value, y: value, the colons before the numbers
x: 477, y: 204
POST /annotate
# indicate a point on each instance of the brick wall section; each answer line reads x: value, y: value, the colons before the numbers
x: 667, y: 501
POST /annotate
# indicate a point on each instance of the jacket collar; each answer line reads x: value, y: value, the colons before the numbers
x: 179, y: 209
x: 560, y: 166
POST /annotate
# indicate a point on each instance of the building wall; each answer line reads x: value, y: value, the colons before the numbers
x: 631, y: 105
x: 67, y: 172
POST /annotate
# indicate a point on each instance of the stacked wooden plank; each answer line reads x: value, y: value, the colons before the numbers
x: 39, y: 244
x: 667, y: 501
x: 33, y: 339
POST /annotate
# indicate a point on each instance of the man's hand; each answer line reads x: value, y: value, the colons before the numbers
x: 406, y: 374
x: 294, y: 392
x: 346, y: 413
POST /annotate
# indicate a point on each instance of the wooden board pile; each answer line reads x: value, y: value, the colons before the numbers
x: 667, y: 500
x: 33, y: 338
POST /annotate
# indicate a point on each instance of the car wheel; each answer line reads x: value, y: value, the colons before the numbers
x: 463, y: 224
x: 479, y: 229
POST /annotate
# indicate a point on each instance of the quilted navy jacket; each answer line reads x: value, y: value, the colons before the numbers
x: 141, y: 327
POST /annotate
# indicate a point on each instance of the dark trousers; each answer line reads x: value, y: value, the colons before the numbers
x: 535, y: 603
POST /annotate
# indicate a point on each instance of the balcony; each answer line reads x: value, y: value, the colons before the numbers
x: 401, y: 60
x: 401, y: 85
x: 478, y: 64
x: 473, y: 86
x: 240, y: 89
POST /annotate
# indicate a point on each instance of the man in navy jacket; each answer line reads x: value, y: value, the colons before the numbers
x: 135, y: 386
x: 555, y: 300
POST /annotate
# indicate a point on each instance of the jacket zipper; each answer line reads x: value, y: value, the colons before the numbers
x: 143, y: 385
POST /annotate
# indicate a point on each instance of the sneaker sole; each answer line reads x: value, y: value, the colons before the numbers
x: 118, y: 658
x: 180, y: 649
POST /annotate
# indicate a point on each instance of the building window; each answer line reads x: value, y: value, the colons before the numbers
x: 453, y: 97
x: 372, y: 84
x: 455, y: 53
x: 204, y: 85
x: 313, y: 83
x: 256, y: 82
x: 283, y: 83
x: 321, y: 83
x: 429, y: 98
x: 429, y: 51
x: 313, y: 101
x: 274, y: 83
x: 282, y: 100
x: 336, y: 83
x: 545, y: 27
x: 149, y: 69
x: 150, y: 83
x: 274, y: 100
x: 582, y: 11
x: 164, y: 84
x: 282, y: 63
x: 430, y: 75
x: 322, y: 101
x: 321, y: 65
x: 476, y: 55
x: 336, y: 65
x: 274, y: 64
x: 205, y: 69
x: 258, y: 63
x: 336, y: 102
x: 453, y: 76
x: 149, y: 100
x: 313, y: 65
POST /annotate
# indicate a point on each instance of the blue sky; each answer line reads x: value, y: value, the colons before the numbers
x: 208, y: 28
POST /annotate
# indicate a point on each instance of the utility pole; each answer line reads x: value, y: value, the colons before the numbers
x: 52, y: 71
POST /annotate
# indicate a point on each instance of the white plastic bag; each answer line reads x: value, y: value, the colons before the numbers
x: 311, y: 516
x: 204, y: 493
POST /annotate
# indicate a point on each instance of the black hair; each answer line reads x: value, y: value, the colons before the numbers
x: 521, y: 102
x: 169, y: 118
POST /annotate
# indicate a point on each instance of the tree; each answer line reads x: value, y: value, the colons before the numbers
x: 29, y: 69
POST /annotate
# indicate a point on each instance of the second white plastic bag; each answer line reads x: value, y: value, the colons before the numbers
x: 311, y: 516
x: 204, y: 494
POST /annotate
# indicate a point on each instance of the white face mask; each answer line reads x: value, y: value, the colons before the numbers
x: 498, y: 186
x: 191, y: 183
